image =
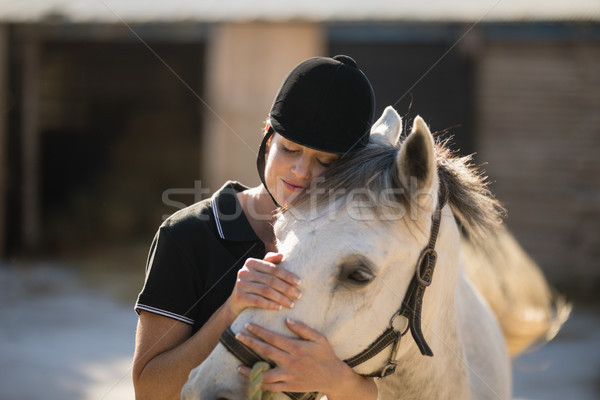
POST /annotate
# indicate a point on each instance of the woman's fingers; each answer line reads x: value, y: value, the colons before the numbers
x: 263, y: 296
x: 264, y: 284
x: 270, y: 281
x: 271, y: 275
x: 266, y: 350
x: 286, y: 344
x: 281, y: 342
x: 304, y: 331
x: 273, y: 257
x: 279, y: 347
x: 272, y: 268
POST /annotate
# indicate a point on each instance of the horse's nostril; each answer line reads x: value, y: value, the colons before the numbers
x: 226, y: 395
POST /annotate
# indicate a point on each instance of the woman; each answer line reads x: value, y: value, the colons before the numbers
x: 210, y: 261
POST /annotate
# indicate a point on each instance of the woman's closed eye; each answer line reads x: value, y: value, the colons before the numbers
x: 323, y: 163
x: 288, y: 150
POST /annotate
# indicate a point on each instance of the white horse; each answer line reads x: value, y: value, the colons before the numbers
x: 373, y: 228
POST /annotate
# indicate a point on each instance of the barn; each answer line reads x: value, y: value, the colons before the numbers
x: 114, y: 114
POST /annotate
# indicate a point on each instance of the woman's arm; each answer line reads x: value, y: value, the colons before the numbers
x: 166, y: 352
x: 165, y: 349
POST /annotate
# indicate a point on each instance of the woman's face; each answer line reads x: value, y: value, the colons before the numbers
x: 291, y: 167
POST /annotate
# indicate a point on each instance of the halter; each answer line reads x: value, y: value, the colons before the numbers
x: 410, y: 309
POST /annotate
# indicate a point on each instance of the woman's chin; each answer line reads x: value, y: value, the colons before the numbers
x: 286, y: 195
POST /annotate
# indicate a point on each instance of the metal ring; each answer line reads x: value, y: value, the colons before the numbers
x: 396, y: 315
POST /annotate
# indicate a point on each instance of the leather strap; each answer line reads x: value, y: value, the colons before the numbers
x: 413, y: 303
x: 243, y: 353
x: 413, y: 299
x: 382, y: 342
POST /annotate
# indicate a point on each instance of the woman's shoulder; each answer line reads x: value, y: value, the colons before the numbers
x: 199, y: 218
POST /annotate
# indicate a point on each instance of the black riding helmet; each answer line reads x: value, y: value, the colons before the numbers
x: 324, y: 103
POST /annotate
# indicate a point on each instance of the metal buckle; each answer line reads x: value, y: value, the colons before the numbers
x: 388, y: 369
x: 428, y: 252
x: 393, y: 360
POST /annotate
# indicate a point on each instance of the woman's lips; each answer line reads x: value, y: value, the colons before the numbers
x: 292, y: 186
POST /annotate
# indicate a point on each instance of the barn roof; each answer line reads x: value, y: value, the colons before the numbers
x: 310, y: 10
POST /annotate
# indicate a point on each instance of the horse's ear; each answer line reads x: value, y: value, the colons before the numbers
x: 416, y: 160
x: 388, y: 127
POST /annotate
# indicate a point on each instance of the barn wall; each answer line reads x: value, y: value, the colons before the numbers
x: 539, y: 128
x: 246, y: 64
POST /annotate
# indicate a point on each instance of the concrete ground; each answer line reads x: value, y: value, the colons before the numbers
x: 70, y: 335
x: 62, y: 338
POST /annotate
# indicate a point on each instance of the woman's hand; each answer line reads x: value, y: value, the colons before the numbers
x: 264, y: 284
x: 307, y: 364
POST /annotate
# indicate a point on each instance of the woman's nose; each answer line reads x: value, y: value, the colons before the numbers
x: 302, y: 168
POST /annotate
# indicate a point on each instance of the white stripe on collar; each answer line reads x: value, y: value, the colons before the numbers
x: 215, y: 211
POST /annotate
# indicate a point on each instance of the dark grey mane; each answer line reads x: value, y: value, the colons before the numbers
x: 373, y: 170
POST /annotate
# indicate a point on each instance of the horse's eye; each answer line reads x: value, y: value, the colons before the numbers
x: 360, y: 276
x: 355, y: 271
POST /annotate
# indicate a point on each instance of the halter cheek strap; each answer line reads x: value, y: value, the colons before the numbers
x: 413, y: 299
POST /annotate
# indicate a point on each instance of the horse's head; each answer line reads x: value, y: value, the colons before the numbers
x: 354, y: 238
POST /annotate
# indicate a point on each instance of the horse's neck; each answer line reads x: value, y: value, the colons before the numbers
x: 443, y: 376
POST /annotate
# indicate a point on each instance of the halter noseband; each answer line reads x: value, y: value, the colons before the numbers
x: 410, y: 309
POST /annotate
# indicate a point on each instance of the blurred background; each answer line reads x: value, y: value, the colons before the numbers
x: 116, y: 113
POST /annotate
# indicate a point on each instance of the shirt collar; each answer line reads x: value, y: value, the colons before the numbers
x: 230, y: 219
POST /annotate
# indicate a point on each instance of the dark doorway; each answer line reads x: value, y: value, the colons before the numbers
x: 403, y: 74
x: 117, y: 129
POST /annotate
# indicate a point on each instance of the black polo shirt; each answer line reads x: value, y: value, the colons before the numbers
x: 194, y: 258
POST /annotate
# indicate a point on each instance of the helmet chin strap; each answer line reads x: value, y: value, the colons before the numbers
x: 260, y: 161
x: 271, y: 195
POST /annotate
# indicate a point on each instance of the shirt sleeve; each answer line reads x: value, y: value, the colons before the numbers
x: 170, y: 286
